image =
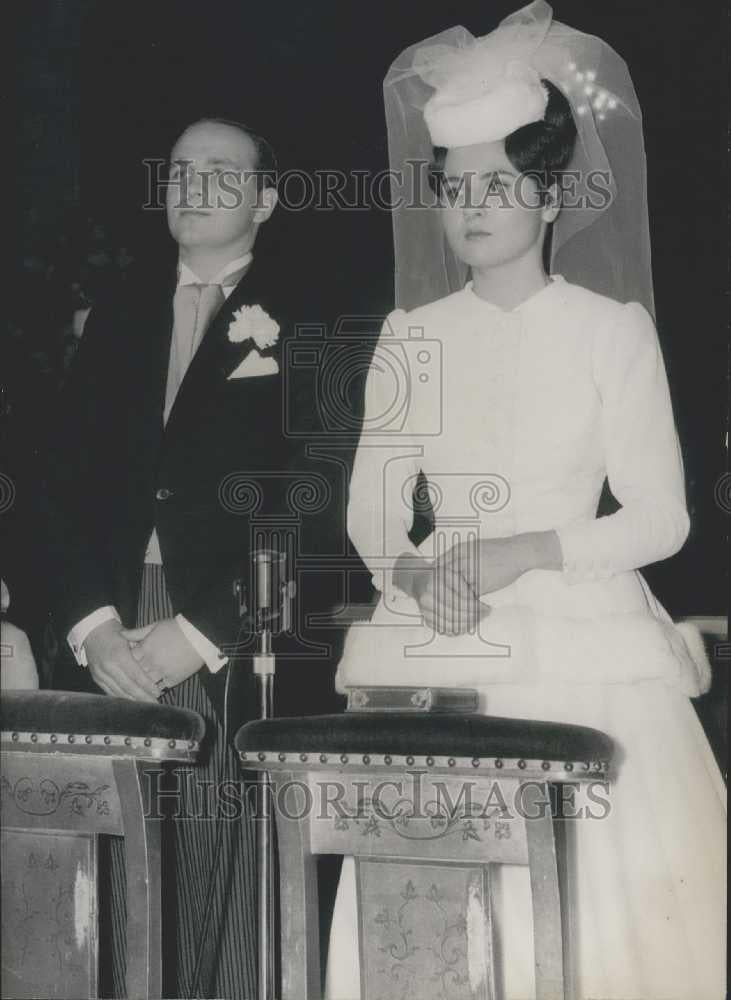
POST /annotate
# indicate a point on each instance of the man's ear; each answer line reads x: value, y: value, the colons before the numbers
x: 551, y: 203
x: 266, y: 202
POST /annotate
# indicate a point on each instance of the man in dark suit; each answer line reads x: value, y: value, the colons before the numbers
x: 171, y: 441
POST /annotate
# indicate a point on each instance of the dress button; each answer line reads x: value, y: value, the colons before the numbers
x: 163, y: 494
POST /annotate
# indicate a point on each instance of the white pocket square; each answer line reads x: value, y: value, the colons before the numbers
x: 254, y: 364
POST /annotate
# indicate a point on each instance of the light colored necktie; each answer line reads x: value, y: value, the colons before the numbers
x: 194, y: 306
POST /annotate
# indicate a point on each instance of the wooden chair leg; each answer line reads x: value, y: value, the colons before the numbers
x: 299, y: 908
x: 49, y: 932
x: 564, y: 834
x: 545, y: 894
x: 142, y: 851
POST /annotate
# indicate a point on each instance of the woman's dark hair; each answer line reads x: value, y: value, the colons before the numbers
x: 266, y: 165
x: 542, y: 148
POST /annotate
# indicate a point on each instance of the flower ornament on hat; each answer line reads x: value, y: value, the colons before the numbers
x: 581, y: 87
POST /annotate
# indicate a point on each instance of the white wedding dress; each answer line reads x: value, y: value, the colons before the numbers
x: 516, y: 418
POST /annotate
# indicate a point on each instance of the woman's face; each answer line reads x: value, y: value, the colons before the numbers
x: 491, y: 213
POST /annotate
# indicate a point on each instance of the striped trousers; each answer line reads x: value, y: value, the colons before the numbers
x: 229, y: 966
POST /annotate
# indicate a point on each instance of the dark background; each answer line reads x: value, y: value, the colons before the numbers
x: 105, y: 85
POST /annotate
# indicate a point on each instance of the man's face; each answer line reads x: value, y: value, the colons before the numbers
x: 212, y: 198
x: 491, y: 213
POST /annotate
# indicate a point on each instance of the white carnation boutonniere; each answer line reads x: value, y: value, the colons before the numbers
x: 253, y: 323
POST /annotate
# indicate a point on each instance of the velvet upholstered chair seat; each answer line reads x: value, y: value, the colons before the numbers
x: 410, y: 735
x: 96, y: 720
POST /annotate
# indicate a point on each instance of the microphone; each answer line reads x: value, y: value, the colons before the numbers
x: 269, y: 572
x: 272, y: 594
x: 263, y: 565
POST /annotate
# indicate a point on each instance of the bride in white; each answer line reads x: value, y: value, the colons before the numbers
x: 527, y: 388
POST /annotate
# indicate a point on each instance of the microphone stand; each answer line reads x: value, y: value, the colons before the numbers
x: 264, y: 670
x: 269, y: 595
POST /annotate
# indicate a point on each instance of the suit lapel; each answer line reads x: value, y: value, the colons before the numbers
x: 216, y: 356
x: 151, y: 320
x: 163, y: 322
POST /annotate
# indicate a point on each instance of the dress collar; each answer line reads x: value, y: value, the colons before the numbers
x: 555, y: 280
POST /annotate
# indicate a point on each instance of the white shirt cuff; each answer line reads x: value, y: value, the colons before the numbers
x: 581, y: 563
x: 210, y: 654
x: 83, y: 629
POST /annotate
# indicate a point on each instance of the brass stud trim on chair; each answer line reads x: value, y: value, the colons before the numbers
x: 431, y: 762
x: 73, y: 743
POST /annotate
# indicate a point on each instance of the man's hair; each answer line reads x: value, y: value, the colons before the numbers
x: 266, y: 166
x: 542, y: 148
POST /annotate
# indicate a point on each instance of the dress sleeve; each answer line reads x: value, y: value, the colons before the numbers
x: 387, y: 462
x: 642, y: 455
